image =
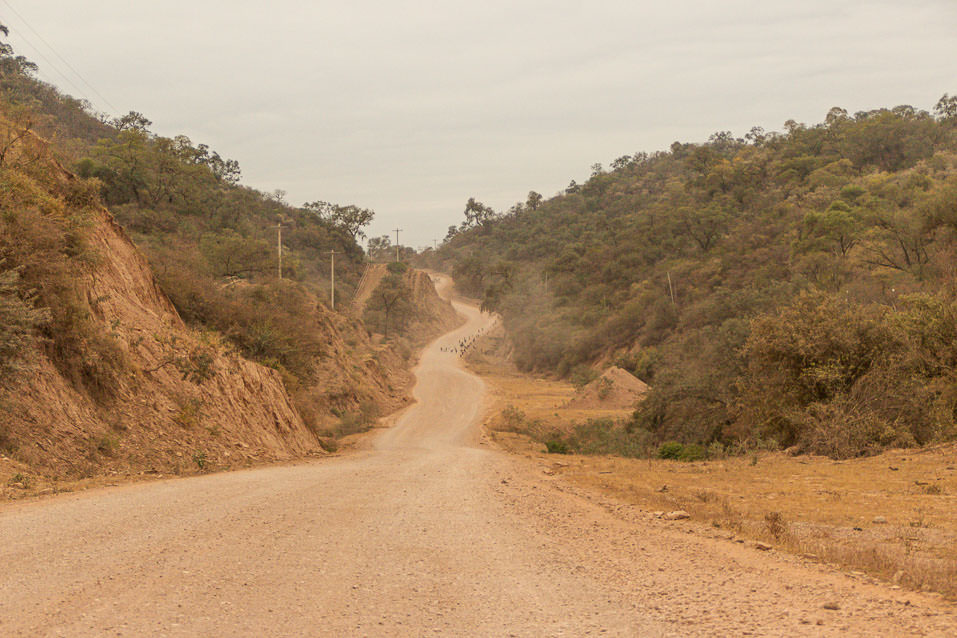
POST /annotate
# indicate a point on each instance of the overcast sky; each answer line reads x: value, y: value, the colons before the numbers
x: 410, y: 108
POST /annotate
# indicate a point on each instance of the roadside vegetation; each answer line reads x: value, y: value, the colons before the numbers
x: 783, y: 290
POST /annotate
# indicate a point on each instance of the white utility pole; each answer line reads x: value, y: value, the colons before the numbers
x: 279, y: 246
x: 397, y: 231
x: 332, y: 293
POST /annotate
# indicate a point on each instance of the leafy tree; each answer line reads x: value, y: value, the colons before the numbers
x: 946, y: 108
x: 477, y: 214
x: 704, y: 226
x: 839, y: 226
x: 11, y: 64
x: 390, y: 306
x: 133, y: 121
x: 380, y: 248
x: 351, y: 219
x: 229, y: 254
x: 502, y: 279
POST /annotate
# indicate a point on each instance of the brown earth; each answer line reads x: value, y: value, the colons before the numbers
x: 615, y: 388
x: 426, y: 531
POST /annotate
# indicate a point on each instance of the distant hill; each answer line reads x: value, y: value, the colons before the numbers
x: 791, y: 288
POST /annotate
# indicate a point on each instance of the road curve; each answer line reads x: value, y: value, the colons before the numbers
x: 425, y: 533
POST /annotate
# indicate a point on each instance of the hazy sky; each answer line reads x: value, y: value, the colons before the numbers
x: 410, y: 108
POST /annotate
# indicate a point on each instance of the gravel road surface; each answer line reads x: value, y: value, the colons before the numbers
x: 427, y: 532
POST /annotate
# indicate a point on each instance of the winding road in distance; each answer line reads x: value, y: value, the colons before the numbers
x: 427, y: 532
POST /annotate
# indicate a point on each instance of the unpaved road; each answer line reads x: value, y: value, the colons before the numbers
x: 427, y: 532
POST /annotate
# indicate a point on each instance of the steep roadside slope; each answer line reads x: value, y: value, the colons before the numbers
x: 144, y: 392
x: 353, y: 374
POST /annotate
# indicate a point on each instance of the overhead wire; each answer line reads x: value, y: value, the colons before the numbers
x: 53, y: 66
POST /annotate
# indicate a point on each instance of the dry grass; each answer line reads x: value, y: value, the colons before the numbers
x: 823, y: 509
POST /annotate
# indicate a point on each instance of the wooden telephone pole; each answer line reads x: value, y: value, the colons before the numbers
x: 397, y: 231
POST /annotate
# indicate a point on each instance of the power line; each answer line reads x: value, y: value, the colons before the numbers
x: 60, y: 57
x: 52, y: 66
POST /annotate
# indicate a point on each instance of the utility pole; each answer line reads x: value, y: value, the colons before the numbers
x: 332, y: 293
x: 397, y: 231
x: 435, y: 244
x: 279, y: 246
x: 672, y: 291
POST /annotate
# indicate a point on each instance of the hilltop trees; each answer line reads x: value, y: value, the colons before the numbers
x: 477, y: 214
x: 352, y: 219
x: 380, y: 248
x: 10, y: 63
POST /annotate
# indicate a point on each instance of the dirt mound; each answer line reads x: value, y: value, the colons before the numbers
x: 615, y: 388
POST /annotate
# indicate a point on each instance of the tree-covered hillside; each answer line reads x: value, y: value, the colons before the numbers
x: 793, y: 288
x: 211, y: 241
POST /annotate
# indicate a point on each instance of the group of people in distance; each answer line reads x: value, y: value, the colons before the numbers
x: 464, y: 345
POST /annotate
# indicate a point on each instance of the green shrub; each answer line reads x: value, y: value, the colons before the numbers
x: 19, y: 321
x: 557, y: 446
x: 604, y: 388
x: 716, y: 450
x: 189, y: 411
x: 582, y: 375
x: 675, y: 451
x: 670, y: 450
x: 355, y: 421
x: 107, y: 443
x: 608, y: 436
x: 693, y: 452
x: 512, y: 418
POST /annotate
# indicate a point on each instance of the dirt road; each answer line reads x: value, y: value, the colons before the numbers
x: 427, y: 532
